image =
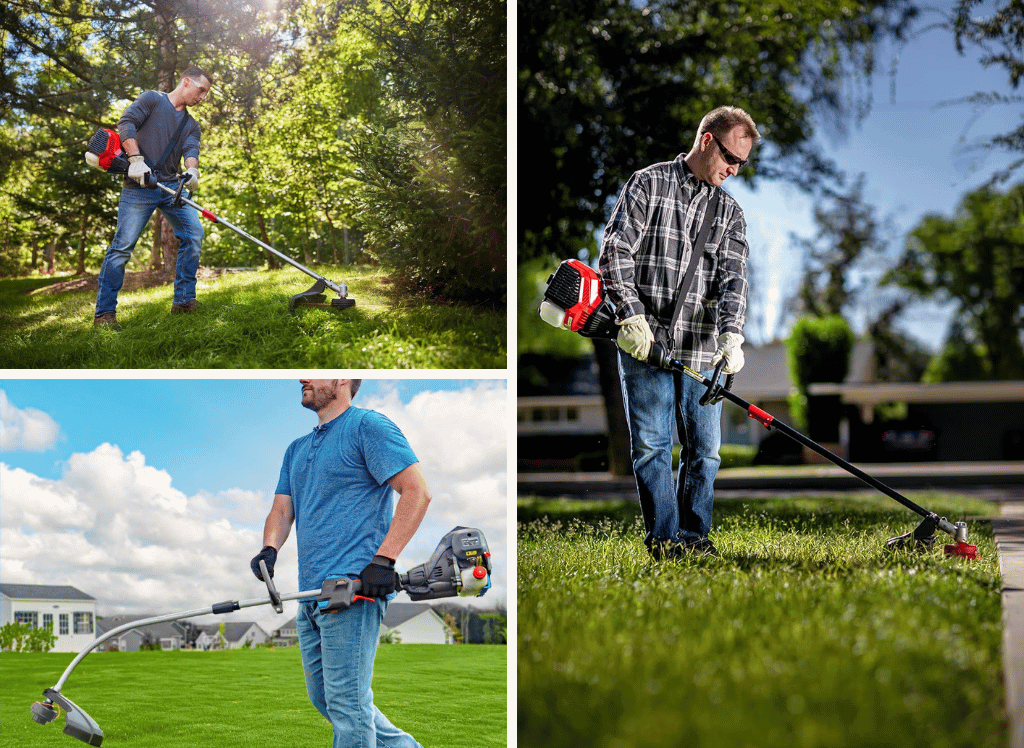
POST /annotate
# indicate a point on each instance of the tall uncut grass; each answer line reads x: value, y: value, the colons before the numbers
x: 806, y: 632
x: 244, y: 322
x: 444, y: 696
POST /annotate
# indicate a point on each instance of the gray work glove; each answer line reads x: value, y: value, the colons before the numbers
x: 192, y: 179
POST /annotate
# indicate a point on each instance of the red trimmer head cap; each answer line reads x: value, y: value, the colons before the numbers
x: 961, y: 548
x: 104, y: 152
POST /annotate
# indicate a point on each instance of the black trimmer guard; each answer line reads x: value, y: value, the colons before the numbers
x: 316, y: 296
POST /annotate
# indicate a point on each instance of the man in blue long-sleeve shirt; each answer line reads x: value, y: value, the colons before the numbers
x: 646, y: 249
x: 156, y: 124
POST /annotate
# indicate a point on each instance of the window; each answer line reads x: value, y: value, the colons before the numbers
x: 83, y: 623
x: 64, y: 628
x: 30, y: 617
x: 167, y: 645
x: 48, y: 621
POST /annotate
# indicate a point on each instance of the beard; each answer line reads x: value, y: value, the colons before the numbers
x: 317, y: 398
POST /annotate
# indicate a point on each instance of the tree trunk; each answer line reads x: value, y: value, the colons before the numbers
x: 35, y: 254
x: 80, y: 270
x: 170, y: 246
x: 51, y: 252
x: 156, y: 255
x: 619, y: 461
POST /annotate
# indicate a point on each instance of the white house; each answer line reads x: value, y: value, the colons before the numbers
x: 68, y: 611
x: 415, y: 623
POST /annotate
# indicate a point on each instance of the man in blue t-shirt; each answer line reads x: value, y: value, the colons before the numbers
x: 336, y: 487
x: 157, y: 132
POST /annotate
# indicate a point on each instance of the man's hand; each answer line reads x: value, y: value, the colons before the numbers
x: 635, y: 337
x: 379, y: 578
x: 192, y: 179
x: 729, y: 348
x: 268, y: 554
x: 137, y: 169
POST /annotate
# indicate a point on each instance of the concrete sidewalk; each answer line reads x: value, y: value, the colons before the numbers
x: 1009, y: 532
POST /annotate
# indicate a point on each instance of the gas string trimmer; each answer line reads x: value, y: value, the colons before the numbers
x: 574, y: 300
x: 459, y: 566
x: 104, y: 153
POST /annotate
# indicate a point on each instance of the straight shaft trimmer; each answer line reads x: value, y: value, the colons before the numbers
x: 574, y: 300
x: 460, y: 566
x: 104, y: 153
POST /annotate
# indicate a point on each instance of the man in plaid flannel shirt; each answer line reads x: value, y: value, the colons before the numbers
x: 646, y: 248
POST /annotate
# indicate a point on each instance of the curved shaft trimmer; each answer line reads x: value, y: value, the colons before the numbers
x: 460, y: 566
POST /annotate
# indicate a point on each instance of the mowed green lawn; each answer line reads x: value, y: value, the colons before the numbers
x: 805, y: 633
x: 444, y: 696
x: 243, y: 322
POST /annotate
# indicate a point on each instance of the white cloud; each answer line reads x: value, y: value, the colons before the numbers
x: 118, y: 528
x: 26, y: 428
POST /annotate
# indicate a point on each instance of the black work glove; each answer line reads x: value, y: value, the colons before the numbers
x: 379, y: 578
x: 268, y: 554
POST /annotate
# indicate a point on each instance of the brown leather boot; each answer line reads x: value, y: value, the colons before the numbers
x: 107, y: 320
x: 185, y: 308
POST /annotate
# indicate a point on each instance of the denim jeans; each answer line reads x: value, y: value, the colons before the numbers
x: 658, y: 401
x: 133, y: 212
x: 337, y: 656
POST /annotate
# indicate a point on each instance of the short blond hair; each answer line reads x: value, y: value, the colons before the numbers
x: 723, y: 119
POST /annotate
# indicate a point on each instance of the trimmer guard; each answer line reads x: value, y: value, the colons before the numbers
x: 77, y: 724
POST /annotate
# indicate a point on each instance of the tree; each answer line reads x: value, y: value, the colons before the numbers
x: 607, y: 87
x: 974, y: 259
x: 847, y: 233
x: 1000, y: 36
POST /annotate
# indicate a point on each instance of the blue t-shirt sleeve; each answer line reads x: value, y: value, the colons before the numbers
x: 386, y: 451
x: 284, y: 482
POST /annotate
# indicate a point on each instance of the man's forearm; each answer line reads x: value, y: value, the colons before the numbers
x: 279, y: 522
x: 191, y: 162
x: 130, y: 146
x: 412, y: 507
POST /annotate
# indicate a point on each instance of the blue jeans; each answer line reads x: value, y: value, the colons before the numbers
x: 337, y: 656
x: 133, y: 213
x: 657, y: 402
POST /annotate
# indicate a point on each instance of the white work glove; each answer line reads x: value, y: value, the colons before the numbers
x: 192, y: 179
x: 137, y: 169
x: 635, y: 337
x: 729, y: 348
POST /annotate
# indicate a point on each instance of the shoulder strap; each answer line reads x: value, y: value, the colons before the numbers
x: 172, y: 142
x: 695, y: 256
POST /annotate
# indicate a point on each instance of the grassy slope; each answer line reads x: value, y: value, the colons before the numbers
x: 805, y: 633
x: 254, y: 698
x: 244, y: 323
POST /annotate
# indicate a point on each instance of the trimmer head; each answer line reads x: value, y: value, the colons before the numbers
x: 78, y: 724
x: 316, y: 296
x: 922, y: 538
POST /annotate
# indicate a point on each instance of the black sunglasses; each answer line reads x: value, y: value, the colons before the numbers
x: 729, y: 158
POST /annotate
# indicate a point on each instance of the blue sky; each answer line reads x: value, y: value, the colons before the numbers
x: 918, y: 158
x: 150, y: 494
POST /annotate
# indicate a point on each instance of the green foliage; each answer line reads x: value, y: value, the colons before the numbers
x: 976, y: 260
x: 819, y: 350
x: 244, y: 322
x: 298, y: 89
x: 806, y: 624
x: 21, y: 637
x: 607, y: 87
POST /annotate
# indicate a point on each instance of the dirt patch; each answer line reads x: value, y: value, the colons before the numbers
x: 132, y: 281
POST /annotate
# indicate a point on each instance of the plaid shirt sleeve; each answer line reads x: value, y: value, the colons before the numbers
x: 647, y: 246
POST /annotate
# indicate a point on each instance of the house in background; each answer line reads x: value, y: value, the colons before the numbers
x: 237, y: 634
x: 70, y: 612
x: 415, y: 623
x: 168, y: 635
x: 409, y: 623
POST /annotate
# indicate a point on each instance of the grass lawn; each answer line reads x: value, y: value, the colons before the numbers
x: 806, y: 632
x: 445, y: 696
x: 244, y: 322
